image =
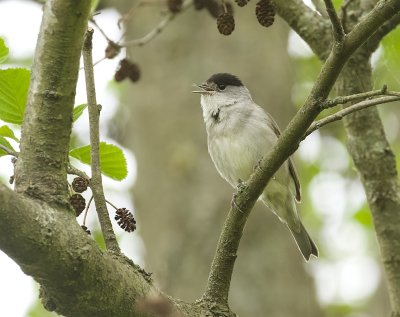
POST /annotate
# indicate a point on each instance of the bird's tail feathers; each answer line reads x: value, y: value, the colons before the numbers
x: 304, y: 242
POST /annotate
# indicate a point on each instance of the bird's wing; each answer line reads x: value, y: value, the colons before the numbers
x: 293, y: 173
x: 292, y: 169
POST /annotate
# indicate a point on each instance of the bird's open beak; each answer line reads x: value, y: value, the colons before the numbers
x: 204, y: 89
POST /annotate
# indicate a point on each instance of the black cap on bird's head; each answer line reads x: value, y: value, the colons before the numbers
x: 218, y: 82
x: 224, y: 79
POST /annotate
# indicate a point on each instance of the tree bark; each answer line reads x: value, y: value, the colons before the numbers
x: 41, y: 169
x: 376, y: 164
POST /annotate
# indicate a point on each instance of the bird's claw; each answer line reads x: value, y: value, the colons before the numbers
x: 241, y: 185
x: 234, y: 204
x: 258, y: 165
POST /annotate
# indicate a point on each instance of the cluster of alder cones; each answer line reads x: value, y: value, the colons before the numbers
x: 123, y: 216
x: 223, y: 12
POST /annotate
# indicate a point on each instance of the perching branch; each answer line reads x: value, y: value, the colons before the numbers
x: 346, y: 111
x: 222, y: 266
x: 338, y: 32
x: 96, y: 183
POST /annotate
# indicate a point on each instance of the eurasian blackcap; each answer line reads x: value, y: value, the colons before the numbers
x: 240, y: 133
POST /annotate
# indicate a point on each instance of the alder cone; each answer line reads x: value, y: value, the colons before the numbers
x: 241, y: 3
x: 226, y: 23
x: 265, y: 12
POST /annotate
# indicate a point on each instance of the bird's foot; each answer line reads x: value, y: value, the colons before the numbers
x: 258, y: 165
x: 241, y: 185
x: 234, y: 205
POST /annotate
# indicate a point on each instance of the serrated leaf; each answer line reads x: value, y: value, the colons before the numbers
x: 112, y: 159
x: 8, y: 133
x: 3, y: 51
x: 7, y: 144
x: 78, y: 110
x: 14, y: 84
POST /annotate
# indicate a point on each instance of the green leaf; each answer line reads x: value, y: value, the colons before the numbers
x: 78, y: 110
x: 363, y: 216
x: 3, y: 51
x: 8, y: 133
x: 14, y: 84
x: 93, y: 5
x: 98, y: 237
x: 7, y: 144
x: 112, y: 159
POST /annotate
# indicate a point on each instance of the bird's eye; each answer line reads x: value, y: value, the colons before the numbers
x: 221, y: 87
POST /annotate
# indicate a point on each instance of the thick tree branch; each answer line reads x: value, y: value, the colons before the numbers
x: 320, y: 7
x: 79, y: 280
x: 373, y: 157
x: 311, y: 27
x: 96, y: 183
x: 223, y: 262
x: 373, y: 43
x: 41, y: 170
x: 376, y: 164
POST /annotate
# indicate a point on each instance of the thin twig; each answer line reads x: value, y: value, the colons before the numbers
x: 364, y: 95
x: 99, y: 61
x: 74, y: 171
x: 111, y: 204
x: 346, y: 111
x: 94, y: 115
x: 152, y: 34
x: 100, y: 29
x: 87, y: 210
x: 158, y: 29
x: 8, y: 151
x: 337, y: 26
x: 132, y: 11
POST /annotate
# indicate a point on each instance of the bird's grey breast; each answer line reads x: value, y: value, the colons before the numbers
x: 238, y: 140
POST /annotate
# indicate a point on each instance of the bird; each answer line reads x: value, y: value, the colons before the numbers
x: 239, y: 134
